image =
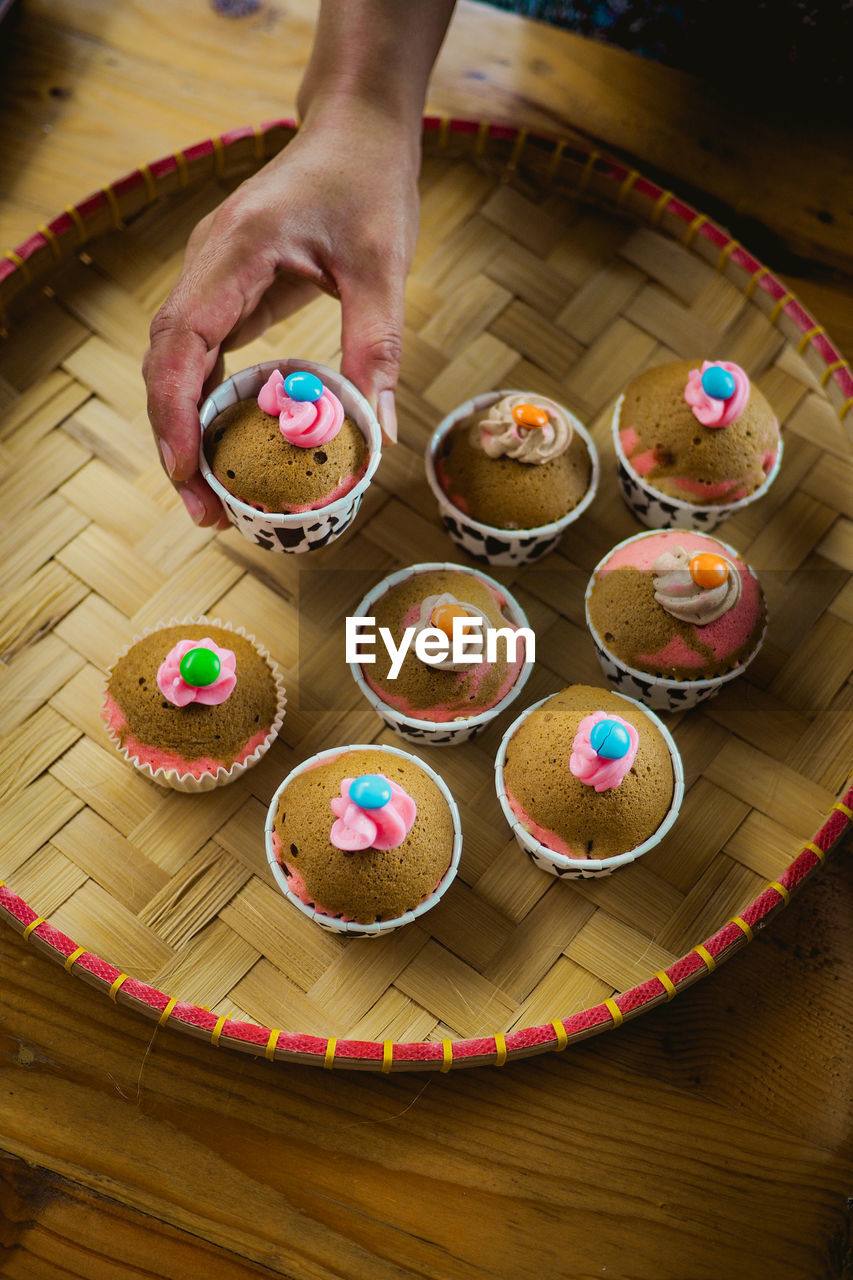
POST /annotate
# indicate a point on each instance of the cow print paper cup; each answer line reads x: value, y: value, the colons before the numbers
x: 486, y: 542
x: 293, y: 532
x: 659, y: 511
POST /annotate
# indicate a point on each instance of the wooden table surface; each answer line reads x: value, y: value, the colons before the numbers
x: 710, y: 1138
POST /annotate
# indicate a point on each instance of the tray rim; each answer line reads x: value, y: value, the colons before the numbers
x: 617, y: 183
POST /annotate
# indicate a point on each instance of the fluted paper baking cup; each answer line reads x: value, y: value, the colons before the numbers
x: 173, y: 778
x: 352, y: 928
x: 293, y: 532
x: 661, y: 693
x: 560, y: 864
x: 659, y: 511
x: 488, y: 542
x: 439, y: 733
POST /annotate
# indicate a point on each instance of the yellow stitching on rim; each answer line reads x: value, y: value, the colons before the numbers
x: 122, y: 977
x: 164, y: 1016
x: 518, y: 147
x: 704, y: 954
x: 615, y: 1011
x: 217, y: 1030
x: 752, y: 282
x: 660, y: 207
x: 781, y: 890
x: 725, y: 253
x: 667, y: 983
x: 482, y: 136
x: 690, y: 233
x: 269, y: 1051
x: 562, y: 1038
x: 329, y: 1056
x: 73, y: 958
x: 446, y: 1055
x: 745, y: 928
x: 779, y: 306
x: 118, y: 221
x: 20, y: 263
x: 592, y: 160
x: 387, y: 1055
x: 807, y: 337
x: 183, y: 172
x: 554, y: 162
x: 150, y: 184
x: 830, y: 370
x: 627, y: 183
x: 815, y: 848
x: 842, y: 413
x: 839, y: 804
x: 52, y: 240
x: 218, y: 157
x: 34, y: 924
x: 74, y: 215
x: 500, y: 1049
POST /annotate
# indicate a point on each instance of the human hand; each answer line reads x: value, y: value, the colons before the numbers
x: 336, y: 211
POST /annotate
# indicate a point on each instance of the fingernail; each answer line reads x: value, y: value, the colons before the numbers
x: 168, y: 455
x: 193, y: 504
x: 386, y: 412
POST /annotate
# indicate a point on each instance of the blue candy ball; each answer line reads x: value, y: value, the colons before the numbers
x: 609, y: 739
x: 370, y: 791
x: 718, y: 383
x: 303, y: 386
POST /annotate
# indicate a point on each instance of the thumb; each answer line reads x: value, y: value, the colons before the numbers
x: 372, y: 344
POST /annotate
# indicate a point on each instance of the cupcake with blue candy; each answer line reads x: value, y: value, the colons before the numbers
x: 289, y: 447
x: 363, y: 839
x: 695, y: 441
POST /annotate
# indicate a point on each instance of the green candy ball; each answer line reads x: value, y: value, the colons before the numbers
x: 200, y: 667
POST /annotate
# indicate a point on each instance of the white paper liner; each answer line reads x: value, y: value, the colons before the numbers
x: 658, y: 510
x: 658, y: 692
x: 305, y: 530
x: 559, y: 864
x: 207, y: 781
x: 439, y: 733
x: 353, y: 928
x: 488, y: 542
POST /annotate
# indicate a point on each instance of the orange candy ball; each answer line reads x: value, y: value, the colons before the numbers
x: 530, y: 415
x: 708, y: 570
x: 442, y: 617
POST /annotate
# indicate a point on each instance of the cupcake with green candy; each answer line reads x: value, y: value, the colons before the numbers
x: 194, y: 704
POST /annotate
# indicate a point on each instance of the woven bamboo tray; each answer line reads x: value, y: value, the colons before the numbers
x: 541, y: 264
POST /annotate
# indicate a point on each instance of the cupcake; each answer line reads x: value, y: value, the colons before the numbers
x: 511, y: 470
x: 588, y: 780
x: 439, y: 651
x: 363, y: 839
x: 289, y: 448
x: 193, y: 704
x: 695, y: 442
x: 674, y: 615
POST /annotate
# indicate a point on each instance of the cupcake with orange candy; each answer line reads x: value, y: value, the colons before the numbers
x: 437, y: 691
x: 674, y: 615
x: 510, y: 471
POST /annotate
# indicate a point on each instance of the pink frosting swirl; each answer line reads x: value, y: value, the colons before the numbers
x: 306, y: 423
x: 710, y: 411
x: 592, y: 769
x: 174, y: 687
x: 383, y: 828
